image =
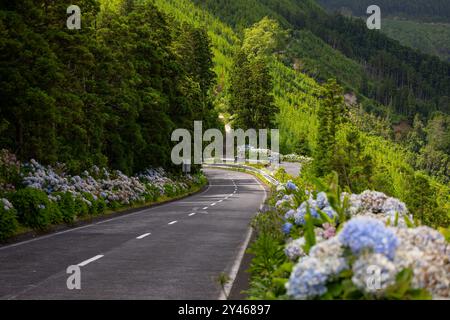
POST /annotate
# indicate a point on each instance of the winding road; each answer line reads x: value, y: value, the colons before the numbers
x: 172, y: 251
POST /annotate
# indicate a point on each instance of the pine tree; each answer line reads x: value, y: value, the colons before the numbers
x: 331, y: 114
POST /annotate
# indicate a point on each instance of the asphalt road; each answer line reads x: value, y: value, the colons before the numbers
x: 173, y: 251
x: 291, y: 168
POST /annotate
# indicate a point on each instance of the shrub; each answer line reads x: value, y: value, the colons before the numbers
x: 170, y: 190
x: 92, y: 208
x: 153, y: 193
x: 54, y: 213
x: 8, y: 221
x: 81, y: 207
x: 68, y: 206
x: 101, y: 205
x: 114, y: 205
x: 33, y: 207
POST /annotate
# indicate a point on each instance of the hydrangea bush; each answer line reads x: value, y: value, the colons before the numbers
x: 48, y: 195
x: 8, y: 221
x: 361, y: 246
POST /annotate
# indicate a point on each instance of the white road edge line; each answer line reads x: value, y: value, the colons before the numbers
x: 143, y: 236
x: 86, y: 262
x: 192, y: 214
x: 173, y: 222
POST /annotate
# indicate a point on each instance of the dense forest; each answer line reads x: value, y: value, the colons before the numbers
x: 109, y: 94
x: 427, y: 10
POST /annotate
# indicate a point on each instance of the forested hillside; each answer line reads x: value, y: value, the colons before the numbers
x: 397, y: 76
x: 423, y: 25
x: 431, y: 38
x: 366, y: 157
x: 109, y: 94
x: 427, y: 10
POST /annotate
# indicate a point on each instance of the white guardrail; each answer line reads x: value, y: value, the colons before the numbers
x: 262, y: 173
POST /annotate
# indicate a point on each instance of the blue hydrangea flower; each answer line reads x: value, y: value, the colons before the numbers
x: 329, y: 211
x: 300, y: 216
x: 289, y: 215
x: 367, y: 233
x: 291, y: 186
x: 308, y: 279
x: 287, y: 227
x: 322, y: 200
x: 314, y: 213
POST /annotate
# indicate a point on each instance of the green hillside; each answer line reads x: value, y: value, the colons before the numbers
x: 431, y: 38
x: 298, y: 98
x: 426, y: 10
x: 422, y: 25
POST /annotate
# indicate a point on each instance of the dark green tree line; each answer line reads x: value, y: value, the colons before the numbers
x: 108, y: 94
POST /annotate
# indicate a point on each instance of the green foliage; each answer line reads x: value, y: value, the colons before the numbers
x: 81, y: 208
x: 67, y: 206
x: 263, y: 38
x: 33, y: 208
x: 310, y: 237
x: 331, y: 114
x: 8, y: 222
x: 153, y: 193
x: 268, y: 258
x: 416, y: 9
x: 251, y: 101
x: 429, y: 38
x: 401, y: 290
x: 91, y: 96
x: 170, y: 190
x: 354, y: 166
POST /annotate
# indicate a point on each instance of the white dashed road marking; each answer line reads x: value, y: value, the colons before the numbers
x: 173, y: 222
x: 86, y: 262
x: 143, y: 236
x: 193, y: 213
